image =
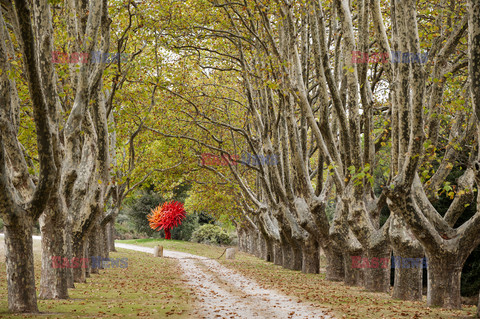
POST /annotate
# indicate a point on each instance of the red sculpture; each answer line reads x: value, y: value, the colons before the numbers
x: 166, y: 217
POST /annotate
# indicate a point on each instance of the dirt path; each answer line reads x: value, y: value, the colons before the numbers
x: 224, y: 293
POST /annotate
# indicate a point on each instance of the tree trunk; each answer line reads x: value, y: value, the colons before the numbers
x: 335, y: 263
x: 365, y: 225
x: 255, y: 244
x: 86, y: 253
x: 267, y: 252
x: 78, y: 249
x: 297, y: 257
x: 287, y: 256
x: 241, y: 239
x: 474, y: 62
x: 251, y: 243
x: 168, y: 235
x: 377, y: 278
x: 408, y: 282
x: 19, y: 259
x: 104, y: 242
x: 260, y: 251
x: 277, y: 254
x: 444, y: 275
x: 111, y: 235
x: 94, y: 250
x: 291, y: 251
x: 247, y: 242
x: 269, y: 245
x: 292, y: 256
x: 53, y: 283
x: 69, y: 247
x: 353, y: 276
x: 262, y: 245
x: 311, y: 257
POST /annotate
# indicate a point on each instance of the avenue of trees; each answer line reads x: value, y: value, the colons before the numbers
x: 374, y: 157
x: 58, y: 143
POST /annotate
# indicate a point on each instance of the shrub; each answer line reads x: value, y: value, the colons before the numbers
x: 204, y: 218
x: 186, y: 229
x: 125, y: 231
x: 132, y: 220
x: 137, y: 210
x: 211, y: 234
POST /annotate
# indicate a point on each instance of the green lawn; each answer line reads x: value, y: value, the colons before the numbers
x: 178, y: 245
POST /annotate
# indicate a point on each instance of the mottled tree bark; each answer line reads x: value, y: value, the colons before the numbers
x: 21, y: 200
x: 78, y: 248
x: 95, y: 246
x: 277, y: 255
x: 353, y: 276
x: 474, y: 66
x: 335, y: 263
x: 270, y: 252
x: 255, y: 245
x: 406, y: 194
x: 19, y: 259
x: 111, y: 235
x: 446, y: 249
x: 53, y: 283
x: 291, y: 251
x: 262, y: 246
x: 311, y: 257
x: 444, y: 274
x: 374, y: 241
x: 408, y: 281
x: 267, y: 251
x: 105, y: 244
x: 69, y: 247
x: 241, y: 239
x: 408, y: 284
x: 269, y: 233
x: 378, y: 278
x: 474, y: 53
x: 287, y: 256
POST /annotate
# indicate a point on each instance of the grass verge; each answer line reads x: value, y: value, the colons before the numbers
x: 209, y: 251
x: 149, y: 287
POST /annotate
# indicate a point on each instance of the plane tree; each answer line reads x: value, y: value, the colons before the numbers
x: 446, y: 245
x: 24, y: 196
